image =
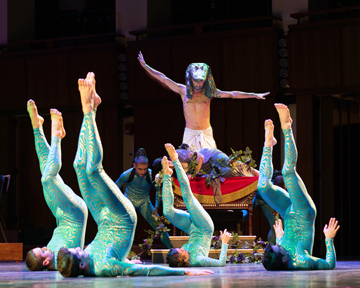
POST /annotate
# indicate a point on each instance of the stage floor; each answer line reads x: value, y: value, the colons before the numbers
x: 346, y: 274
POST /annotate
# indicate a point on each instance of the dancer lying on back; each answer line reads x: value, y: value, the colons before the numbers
x: 69, y: 209
x: 112, y: 211
x: 294, y: 246
x: 197, y: 223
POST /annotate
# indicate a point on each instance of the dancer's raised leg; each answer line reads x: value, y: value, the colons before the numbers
x: 107, y: 190
x: 92, y: 199
x: 198, y: 214
x: 41, y: 145
x: 177, y: 217
x: 59, y: 194
x: 298, y: 194
x: 275, y: 196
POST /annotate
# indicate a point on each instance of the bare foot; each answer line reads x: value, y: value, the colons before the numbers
x: 86, y: 95
x: 57, y: 125
x: 90, y: 77
x: 284, y: 115
x: 36, y: 120
x: 171, y: 151
x: 270, y: 140
x: 165, y: 165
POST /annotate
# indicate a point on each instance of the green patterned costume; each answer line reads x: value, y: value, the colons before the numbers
x: 296, y: 208
x: 197, y: 223
x: 112, y: 211
x: 137, y: 191
x: 69, y: 209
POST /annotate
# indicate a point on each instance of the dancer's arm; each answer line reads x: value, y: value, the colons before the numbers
x: 161, y: 78
x: 330, y: 262
x: 210, y: 262
x: 279, y: 232
x: 242, y: 95
x: 124, y: 177
x: 115, y: 268
x: 202, y: 261
x: 157, y: 198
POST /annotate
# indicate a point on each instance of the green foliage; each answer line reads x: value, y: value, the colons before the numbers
x: 238, y: 257
x: 133, y: 256
x: 160, y: 222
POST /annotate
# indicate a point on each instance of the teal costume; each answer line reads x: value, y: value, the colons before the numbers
x: 296, y: 208
x: 69, y: 209
x: 268, y: 212
x: 197, y: 223
x: 137, y: 191
x: 112, y: 211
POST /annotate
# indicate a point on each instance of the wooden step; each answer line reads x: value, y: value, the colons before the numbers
x: 158, y: 256
x: 11, y: 251
x: 179, y: 241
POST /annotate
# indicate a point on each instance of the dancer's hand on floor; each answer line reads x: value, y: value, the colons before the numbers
x: 331, y: 229
x: 194, y: 272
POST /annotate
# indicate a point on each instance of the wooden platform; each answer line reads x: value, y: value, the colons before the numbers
x: 179, y: 241
x: 159, y: 255
x: 11, y: 251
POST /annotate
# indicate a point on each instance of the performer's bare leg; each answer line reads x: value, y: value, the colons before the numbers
x: 90, y: 77
x: 270, y: 140
x: 36, y: 120
x: 86, y: 95
x: 284, y: 115
x: 165, y: 165
x: 171, y: 151
x: 57, y: 125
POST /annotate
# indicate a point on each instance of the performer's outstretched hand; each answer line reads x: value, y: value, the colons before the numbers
x: 225, y: 237
x: 331, y: 230
x: 141, y: 59
x: 261, y: 95
x: 194, y: 272
x: 279, y: 231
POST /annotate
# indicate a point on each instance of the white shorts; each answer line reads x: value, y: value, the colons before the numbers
x: 199, y: 139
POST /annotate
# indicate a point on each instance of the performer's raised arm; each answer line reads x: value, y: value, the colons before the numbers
x: 161, y: 78
x: 279, y: 231
x: 202, y: 261
x: 242, y: 95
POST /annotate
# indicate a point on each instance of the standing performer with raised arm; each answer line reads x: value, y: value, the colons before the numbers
x: 112, y: 211
x: 197, y: 223
x: 196, y: 95
x: 293, y: 247
x: 69, y: 209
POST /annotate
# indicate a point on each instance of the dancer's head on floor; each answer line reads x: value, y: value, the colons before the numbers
x: 275, y: 257
x: 73, y: 262
x: 39, y: 259
x: 177, y: 257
